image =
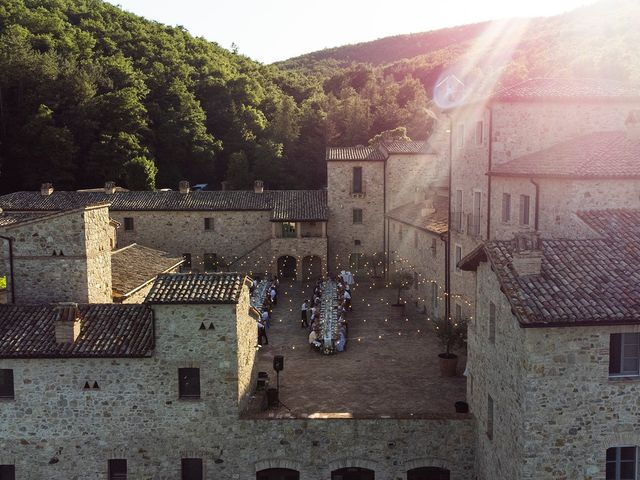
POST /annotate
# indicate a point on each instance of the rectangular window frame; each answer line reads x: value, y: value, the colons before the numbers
x: 210, y: 262
x: 209, y: 224
x: 7, y: 472
x: 189, y: 465
x: 479, y: 132
x: 458, y: 257
x: 357, y: 216
x: 490, y: 416
x: 460, y: 136
x: 189, y: 383
x: 525, y: 210
x: 506, y: 208
x: 492, y: 323
x: 613, y: 457
x: 129, y: 224
x: 115, y: 469
x: 619, y: 342
x: 7, y: 384
x: 357, y: 180
x: 416, y: 241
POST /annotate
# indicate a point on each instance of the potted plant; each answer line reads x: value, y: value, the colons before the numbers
x: 452, y: 334
x: 400, y: 281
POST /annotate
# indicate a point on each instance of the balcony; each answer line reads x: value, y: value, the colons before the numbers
x: 358, y: 192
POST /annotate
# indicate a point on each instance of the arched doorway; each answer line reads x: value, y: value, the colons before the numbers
x: 353, y: 473
x: 311, y: 267
x: 278, y: 474
x: 287, y: 267
x: 428, y: 473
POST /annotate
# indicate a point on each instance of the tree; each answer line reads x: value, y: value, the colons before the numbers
x: 401, y: 280
x: 399, y: 133
x: 450, y: 333
x: 140, y: 174
x: 238, y: 175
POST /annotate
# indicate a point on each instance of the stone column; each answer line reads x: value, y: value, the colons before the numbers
x: 298, y: 229
x: 324, y: 229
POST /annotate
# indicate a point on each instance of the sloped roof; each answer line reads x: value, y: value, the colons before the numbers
x: 411, y: 214
x: 196, y: 288
x: 134, y: 266
x: 596, y: 155
x: 582, y: 282
x: 299, y: 201
x: 361, y: 153
x: 107, y: 330
x: 8, y: 219
x: 298, y: 205
x: 379, y: 152
x: 568, y: 89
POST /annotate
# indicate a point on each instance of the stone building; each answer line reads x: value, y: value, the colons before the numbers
x: 364, y: 183
x: 158, y: 390
x: 258, y: 232
x: 554, y: 353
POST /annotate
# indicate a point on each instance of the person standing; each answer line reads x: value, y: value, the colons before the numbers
x: 265, y: 318
x: 274, y: 295
x: 303, y: 315
x: 262, y: 333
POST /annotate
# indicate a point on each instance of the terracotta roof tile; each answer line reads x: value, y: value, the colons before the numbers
x: 299, y: 205
x: 596, y: 155
x: 199, y: 288
x: 568, y: 89
x: 581, y: 281
x: 107, y: 330
x: 355, y: 153
x: 135, y: 265
x: 411, y: 214
x: 14, y: 218
x: 400, y: 146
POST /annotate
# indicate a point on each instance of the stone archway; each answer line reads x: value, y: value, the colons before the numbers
x: 353, y: 473
x: 287, y: 267
x: 278, y: 474
x: 428, y: 473
x: 311, y: 267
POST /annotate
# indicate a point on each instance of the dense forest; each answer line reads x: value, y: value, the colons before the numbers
x: 90, y: 93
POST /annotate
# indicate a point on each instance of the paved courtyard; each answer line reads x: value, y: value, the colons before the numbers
x: 389, y: 369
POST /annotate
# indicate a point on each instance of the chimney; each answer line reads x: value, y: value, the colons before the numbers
x: 258, y: 186
x: 67, y: 324
x: 527, y: 253
x: 46, y: 189
x: 633, y: 125
x: 109, y: 188
x: 184, y: 186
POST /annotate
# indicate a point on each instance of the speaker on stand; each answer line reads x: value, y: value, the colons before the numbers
x: 278, y: 366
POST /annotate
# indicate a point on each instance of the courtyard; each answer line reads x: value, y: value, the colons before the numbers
x: 388, y: 370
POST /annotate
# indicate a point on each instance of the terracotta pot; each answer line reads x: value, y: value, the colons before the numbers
x: 448, y: 364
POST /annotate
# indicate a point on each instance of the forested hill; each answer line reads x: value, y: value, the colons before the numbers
x: 90, y: 93
x: 598, y: 40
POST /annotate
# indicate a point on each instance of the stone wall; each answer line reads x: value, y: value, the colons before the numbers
x: 80, y: 270
x: 342, y: 231
x: 412, y: 251
x: 57, y: 429
x: 301, y: 249
x: 560, y: 199
x: 234, y: 234
x: 497, y: 369
x: 411, y: 174
x: 520, y: 128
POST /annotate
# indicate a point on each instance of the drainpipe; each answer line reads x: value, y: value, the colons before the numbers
x: 537, y: 209
x: 11, y: 276
x: 489, y: 174
x: 447, y: 239
x: 385, y: 226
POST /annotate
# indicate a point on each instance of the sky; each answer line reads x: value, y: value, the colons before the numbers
x: 272, y: 30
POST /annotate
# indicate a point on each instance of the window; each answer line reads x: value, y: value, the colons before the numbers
x: 622, y: 463
x: 208, y: 223
x: 357, y: 243
x: 400, y: 232
x: 6, y: 383
x: 490, y: 417
x: 192, y: 469
x: 415, y: 239
x: 624, y: 354
x: 128, y: 223
x: 458, y: 256
x: 492, y: 322
x: 118, y: 469
x: 356, y: 261
x: 461, y: 135
x: 356, y: 186
x: 210, y: 262
x: 474, y: 228
x: 7, y: 472
x: 189, y: 386
x: 187, y: 261
x: 457, y: 211
x: 479, y: 132
x: 506, y: 207
x: 357, y: 215
x: 288, y: 230
x: 434, y: 246
x: 525, y: 201
x: 458, y: 312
